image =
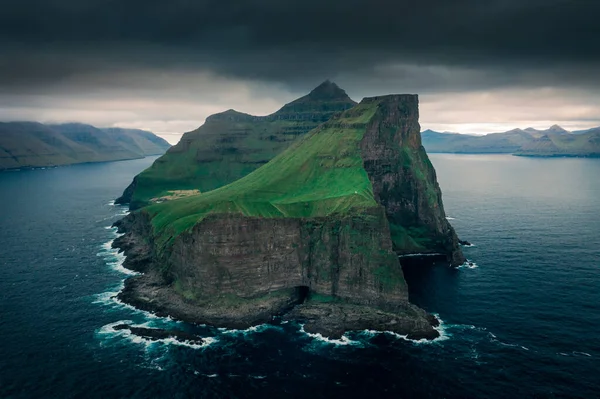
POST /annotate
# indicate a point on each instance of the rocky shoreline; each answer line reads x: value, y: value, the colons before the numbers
x: 151, y: 291
x: 155, y: 334
x: 313, y: 236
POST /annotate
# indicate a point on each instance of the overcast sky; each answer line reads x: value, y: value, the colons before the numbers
x: 478, y: 65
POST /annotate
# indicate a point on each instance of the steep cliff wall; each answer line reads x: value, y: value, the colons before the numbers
x: 335, y: 274
x: 313, y: 234
x: 349, y: 258
x: 404, y: 180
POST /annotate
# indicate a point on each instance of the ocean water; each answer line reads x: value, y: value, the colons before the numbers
x: 522, y: 321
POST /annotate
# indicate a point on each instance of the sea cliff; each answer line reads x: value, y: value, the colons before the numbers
x: 314, y: 235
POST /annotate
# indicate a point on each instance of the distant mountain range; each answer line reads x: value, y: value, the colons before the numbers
x: 32, y: 144
x: 553, y: 142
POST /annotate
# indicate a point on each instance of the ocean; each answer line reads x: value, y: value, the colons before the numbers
x: 522, y: 321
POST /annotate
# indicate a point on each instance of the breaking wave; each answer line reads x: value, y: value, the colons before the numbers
x: 343, y: 341
x: 109, y: 331
x: 113, y: 258
x: 468, y: 265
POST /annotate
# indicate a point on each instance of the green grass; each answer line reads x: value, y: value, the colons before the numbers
x: 318, y: 176
x: 220, y: 152
x: 231, y: 145
x: 411, y: 239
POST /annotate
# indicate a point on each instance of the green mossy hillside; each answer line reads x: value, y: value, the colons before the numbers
x: 232, y: 144
x: 318, y: 176
x: 218, y: 153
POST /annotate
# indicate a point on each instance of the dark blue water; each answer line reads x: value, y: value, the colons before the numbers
x: 524, y: 323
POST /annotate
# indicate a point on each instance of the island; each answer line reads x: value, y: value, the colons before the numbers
x: 35, y: 145
x: 314, y: 235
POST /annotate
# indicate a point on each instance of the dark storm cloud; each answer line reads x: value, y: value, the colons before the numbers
x: 478, y: 65
x: 470, y: 43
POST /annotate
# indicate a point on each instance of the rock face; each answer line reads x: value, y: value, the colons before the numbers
x: 404, y: 180
x: 313, y: 235
x: 232, y: 144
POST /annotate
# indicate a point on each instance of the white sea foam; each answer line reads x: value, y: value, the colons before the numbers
x: 496, y: 340
x: 343, y: 341
x: 415, y: 255
x: 106, y: 298
x: 468, y: 265
x: 575, y: 353
x: 582, y: 353
x: 111, y: 300
x: 136, y: 339
x: 450, y: 218
x: 111, y: 203
x: 249, y: 330
x: 208, y: 341
x: 442, y: 329
x: 114, y: 258
x: 206, y: 375
x: 110, y: 328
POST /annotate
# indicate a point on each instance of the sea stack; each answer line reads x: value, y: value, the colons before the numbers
x: 313, y: 235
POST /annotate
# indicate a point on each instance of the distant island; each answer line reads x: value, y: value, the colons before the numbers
x: 301, y: 214
x: 33, y: 145
x: 553, y: 142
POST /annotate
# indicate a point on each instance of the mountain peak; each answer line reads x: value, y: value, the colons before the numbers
x: 326, y: 98
x: 230, y: 115
x: 328, y: 90
x: 556, y: 129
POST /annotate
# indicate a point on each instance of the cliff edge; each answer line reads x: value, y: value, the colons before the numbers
x: 313, y: 235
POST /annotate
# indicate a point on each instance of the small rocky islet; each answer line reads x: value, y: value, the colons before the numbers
x: 313, y: 234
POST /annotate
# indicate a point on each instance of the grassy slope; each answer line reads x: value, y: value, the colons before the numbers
x: 218, y: 153
x: 139, y: 141
x: 30, y: 144
x: 232, y: 144
x: 320, y: 175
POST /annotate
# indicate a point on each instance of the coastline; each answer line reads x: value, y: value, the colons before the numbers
x: 150, y: 291
x: 29, y: 168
